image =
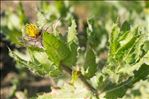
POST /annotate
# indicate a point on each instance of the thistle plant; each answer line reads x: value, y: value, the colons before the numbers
x: 62, y: 55
x: 127, y: 59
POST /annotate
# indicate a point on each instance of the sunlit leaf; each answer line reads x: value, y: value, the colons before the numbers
x: 55, y: 48
x: 90, y: 65
x: 117, y: 91
x: 72, y: 33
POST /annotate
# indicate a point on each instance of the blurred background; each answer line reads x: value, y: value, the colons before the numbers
x: 17, y: 81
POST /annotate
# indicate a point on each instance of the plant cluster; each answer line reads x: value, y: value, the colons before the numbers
x: 103, y: 59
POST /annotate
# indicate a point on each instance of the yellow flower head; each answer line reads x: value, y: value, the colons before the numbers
x: 32, y: 30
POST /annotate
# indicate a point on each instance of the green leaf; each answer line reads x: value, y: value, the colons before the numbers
x: 118, y: 91
x: 130, y: 47
x: 122, y: 50
x: 146, y: 46
x: 114, y: 44
x: 72, y: 58
x: 61, y: 7
x: 72, y: 44
x: 12, y: 24
x: 126, y: 51
x: 141, y: 74
x: 55, y: 48
x: 72, y: 33
x: 37, y: 62
x: 34, y: 48
x: 90, y: 65
x: 95, y: 33
x: 21, y: 13
x: 125, y: 26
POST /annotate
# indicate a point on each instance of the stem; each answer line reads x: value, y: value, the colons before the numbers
x: 83, y: 79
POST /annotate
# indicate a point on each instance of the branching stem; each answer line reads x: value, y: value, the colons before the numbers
x: 83, y: 79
